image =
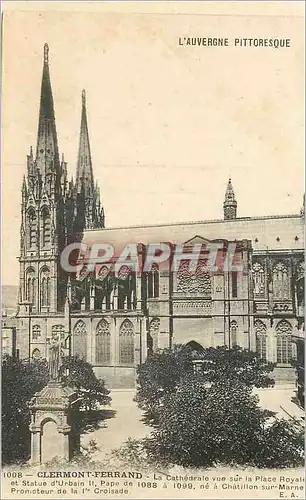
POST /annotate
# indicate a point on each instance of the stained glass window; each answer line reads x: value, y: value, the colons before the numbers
x: 103, y: 347
x: 153, y: 282
x: 80, y: 340
x: 30, y: 286
x: 281, y: 282
x: 193, y: 282
x: 126, y: 343
x: 36, y: 332
x: 284, y: 342
x: 259, y: 281
x: 58, y: 330
x: 45, y: 288
x: 261, y: 339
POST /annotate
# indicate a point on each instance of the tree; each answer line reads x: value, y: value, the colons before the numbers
x: 79, y: 375
x: 202, y: 425
x: 21, y: 379
x: 158, y: 376
x: 162, y: 372
x: 236, y: 364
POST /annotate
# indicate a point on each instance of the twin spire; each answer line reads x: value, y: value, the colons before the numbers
x: 48, y: 164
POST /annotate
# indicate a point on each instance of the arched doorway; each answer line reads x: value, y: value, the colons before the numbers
x: 195, y: 346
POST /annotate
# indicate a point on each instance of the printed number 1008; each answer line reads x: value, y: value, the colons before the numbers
x: 12, y: 474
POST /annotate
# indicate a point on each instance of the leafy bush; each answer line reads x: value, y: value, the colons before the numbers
x: 159, y: 376
x: 132, y: 453
x: 162, y: 373
x: 20, y: 381
x: 202, y: 410
x: 201, y: 425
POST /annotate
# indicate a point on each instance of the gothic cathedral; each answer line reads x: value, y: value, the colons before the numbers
x: 116, y: 326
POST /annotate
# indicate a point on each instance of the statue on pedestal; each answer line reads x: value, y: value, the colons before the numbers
x: 55, y: 358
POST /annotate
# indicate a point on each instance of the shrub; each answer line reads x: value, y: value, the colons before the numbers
x: 162, y: 373
x: 201, y: 425
x: 20, y: 381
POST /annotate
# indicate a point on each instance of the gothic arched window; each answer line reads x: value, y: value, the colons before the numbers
x: 284, y: 342
x: 194, y: 282
x: 153, y: 334
x: 259, y: 280
x: 80, y: 340
x: 45, y: 227
x: 281, y: 281
x: 36, y: 354
x: 103, y: 343
x: 126, y: 343
x: 153, y: 282
x: 45, y: 288
x: 233, y: 329
x: 261, y: 339
x: 31, y: 228
x: 36, y: 332
x: 30, y: 286
x: 58, y: 330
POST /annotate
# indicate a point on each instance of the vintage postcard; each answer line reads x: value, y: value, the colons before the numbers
x: 152, y: 250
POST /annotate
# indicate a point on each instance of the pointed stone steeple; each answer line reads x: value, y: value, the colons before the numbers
x: 84, y: 164
x: 88, y: 196
x: 47, y: 156
x: 230, y: 204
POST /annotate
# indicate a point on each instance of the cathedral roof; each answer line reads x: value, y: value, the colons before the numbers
x: 279, y: 232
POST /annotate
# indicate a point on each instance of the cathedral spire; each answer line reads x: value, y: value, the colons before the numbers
x: 47, y: 157
x: 84, y: 164
x: 230, y: 203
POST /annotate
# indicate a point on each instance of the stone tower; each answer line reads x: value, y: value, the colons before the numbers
x: 42, y: 216
x: 54, y: 211
x: 230, y: 204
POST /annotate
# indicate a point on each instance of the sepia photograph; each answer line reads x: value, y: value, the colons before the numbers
x: 152, y: 277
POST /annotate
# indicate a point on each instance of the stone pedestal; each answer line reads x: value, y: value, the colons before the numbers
x: 53, y: 435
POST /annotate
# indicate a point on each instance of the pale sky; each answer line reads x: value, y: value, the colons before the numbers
x: 168, y: 124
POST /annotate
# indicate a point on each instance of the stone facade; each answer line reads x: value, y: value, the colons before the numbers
x: 115, y: 326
